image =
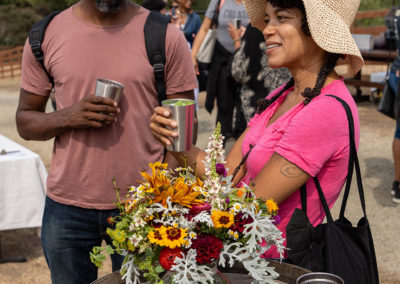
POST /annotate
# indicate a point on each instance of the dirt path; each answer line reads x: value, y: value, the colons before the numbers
x: 376, y: 165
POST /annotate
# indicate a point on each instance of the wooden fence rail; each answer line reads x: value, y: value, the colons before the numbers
x: 10, y: 62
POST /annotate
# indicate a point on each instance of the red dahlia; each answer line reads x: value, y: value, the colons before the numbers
x: 167, y: 257
x: 239, y: 223
x: 208, y: 248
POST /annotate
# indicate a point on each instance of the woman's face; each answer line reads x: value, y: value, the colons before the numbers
x: 185, y: 4
x: 287, y: 45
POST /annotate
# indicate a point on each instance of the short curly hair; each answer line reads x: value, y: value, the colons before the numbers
x: 154, y: 5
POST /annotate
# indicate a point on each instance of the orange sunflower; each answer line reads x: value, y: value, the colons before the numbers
x: 180, y: 193
x: 185, y: 194
x: 158, y: 178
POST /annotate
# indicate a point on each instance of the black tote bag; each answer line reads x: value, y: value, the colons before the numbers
x: 335, y: 247
x: 387, y: 102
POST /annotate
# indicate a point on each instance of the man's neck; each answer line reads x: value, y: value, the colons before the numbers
x: 87, y: 11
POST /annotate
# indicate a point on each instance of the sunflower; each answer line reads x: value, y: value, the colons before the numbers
x: 162, y: 193
x: 222, y: 219
x: 271, y: 206
x: 184, y: 194
x: 173, y: 237
x: 158, y: 178
x: 155, y: 237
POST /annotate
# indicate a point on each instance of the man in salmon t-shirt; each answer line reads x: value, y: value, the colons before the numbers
x: 95, y: 140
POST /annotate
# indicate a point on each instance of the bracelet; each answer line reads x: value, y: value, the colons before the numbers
x: 238, y: 39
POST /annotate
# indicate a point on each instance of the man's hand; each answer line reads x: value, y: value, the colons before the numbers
x: 91, y: 111
x: 34, y: 124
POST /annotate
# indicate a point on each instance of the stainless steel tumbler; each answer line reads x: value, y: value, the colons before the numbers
x: 183, y: 111
x: 109, y: 89
x: 319, y: 278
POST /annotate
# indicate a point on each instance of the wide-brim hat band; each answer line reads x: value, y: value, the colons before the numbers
x: 329, y: 23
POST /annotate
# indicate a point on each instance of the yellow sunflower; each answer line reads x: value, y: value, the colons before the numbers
x: 173, y: 237
x: 155, y: 237
x: 271, y: 206
x: 222, y: 219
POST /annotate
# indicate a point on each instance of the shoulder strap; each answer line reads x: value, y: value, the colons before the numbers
x: 353, y: 163
x: 155, y: 30
x: 36, y: 36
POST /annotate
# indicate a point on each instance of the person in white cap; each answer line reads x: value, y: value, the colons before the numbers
x: 299, y: 132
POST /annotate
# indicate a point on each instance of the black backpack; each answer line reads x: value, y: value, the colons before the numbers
x: 155, y: 30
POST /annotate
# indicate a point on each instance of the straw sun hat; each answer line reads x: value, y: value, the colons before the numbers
x: 329, y: 22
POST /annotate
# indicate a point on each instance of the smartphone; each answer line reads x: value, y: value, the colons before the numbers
x: 237, y: 23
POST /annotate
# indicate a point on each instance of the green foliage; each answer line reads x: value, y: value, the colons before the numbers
x: 15, y: 23
x: 97, y: 256
x: 374, y: 5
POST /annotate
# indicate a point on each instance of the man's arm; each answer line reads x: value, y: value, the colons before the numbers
x: 34, y: 124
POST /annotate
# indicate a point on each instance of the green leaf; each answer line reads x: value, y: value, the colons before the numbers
x: 97, y: 259
x: 159, y: 269
x: 109, y: 250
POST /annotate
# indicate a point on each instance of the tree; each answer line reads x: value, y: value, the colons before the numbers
x: 15, y: 24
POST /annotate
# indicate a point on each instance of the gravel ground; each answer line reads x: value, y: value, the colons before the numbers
x: 376, y: 165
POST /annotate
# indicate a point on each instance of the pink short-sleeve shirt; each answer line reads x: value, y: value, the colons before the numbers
x: 314, y: 137
x: 85, y: 161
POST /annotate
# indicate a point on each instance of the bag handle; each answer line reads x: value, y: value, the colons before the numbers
x: 353, y: 162
x: 214, y: 21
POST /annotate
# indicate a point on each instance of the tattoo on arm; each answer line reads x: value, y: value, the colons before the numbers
x: 290, y: 171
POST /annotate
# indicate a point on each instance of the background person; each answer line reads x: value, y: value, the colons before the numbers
x: 220, y: 84
x: 394, y: 75
x: 250, y: 69
x: 95, y: 140
x: 299, y: 132
x: 189, y: 23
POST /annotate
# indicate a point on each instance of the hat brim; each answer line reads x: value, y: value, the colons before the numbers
x: 332, y: 33
x: 329, y: 31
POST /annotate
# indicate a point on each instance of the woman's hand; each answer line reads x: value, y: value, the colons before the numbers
x: 159, y: 122
x: 234, y: 32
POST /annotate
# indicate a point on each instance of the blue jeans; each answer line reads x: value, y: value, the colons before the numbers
x: 393, y: 83
x: 68, y: 235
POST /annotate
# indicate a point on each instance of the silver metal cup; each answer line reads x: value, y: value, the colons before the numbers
x: 109, y: 89
x: 183, y: 111
x: 319, y: 278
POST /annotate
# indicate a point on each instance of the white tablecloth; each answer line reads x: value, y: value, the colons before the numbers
x: 22, y: 187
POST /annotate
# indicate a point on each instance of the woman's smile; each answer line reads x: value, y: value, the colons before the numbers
x: 272, y: 46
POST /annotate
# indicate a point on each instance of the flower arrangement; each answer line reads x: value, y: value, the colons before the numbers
x: 175, y: 222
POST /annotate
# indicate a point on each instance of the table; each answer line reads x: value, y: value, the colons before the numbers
x: 22, y: 188
x: 380, y: 55
x: 288, y: 273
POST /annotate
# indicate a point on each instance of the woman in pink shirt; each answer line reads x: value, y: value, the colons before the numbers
x: 298, y: 131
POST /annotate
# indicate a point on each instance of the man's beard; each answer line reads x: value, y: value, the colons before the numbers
x: 110, y: 6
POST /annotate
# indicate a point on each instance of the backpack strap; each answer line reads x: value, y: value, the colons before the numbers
x: 155, y: 30
x: 36, y: 36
